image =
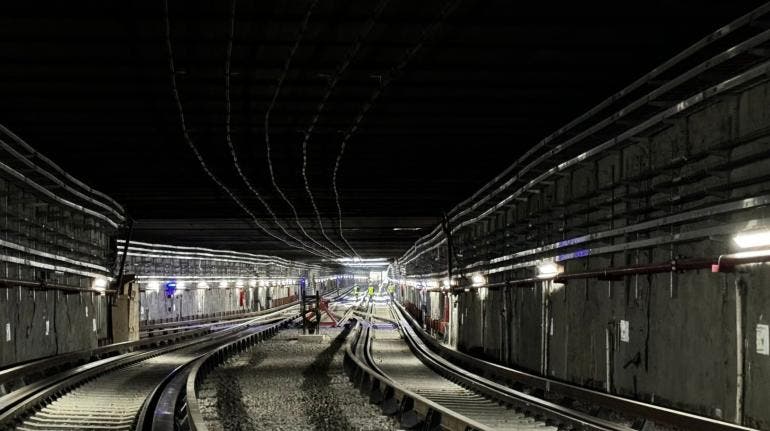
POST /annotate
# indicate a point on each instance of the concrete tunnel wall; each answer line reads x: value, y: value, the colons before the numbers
x: 155, y: 306
x: 37, y: 323
x: 683, y: 344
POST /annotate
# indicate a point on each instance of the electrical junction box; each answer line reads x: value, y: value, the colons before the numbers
x: 763, y: 339
x: 125, y: 314
x: 625, y: 333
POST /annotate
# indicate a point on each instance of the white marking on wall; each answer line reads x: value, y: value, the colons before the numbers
x: 86, y: 311
x: 94, y: 322
x: 47, y: 327
x: 7, y: 332
x: 625, y: 333
x: 763, y: 339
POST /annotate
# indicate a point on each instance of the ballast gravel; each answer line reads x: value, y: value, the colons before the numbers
x: 288, y: 383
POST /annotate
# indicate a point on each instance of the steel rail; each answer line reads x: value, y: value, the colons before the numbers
x: 559, y: 414
x: 204, y: 324
x: 161, y: 410
x: 22, y: 374
x: 170, y: 325
x: 395, y: 399
x: 16, y: 405
x: 177, y: 404
x: 623, y: 405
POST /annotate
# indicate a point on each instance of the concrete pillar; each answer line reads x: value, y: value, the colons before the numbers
x: 125, y: 313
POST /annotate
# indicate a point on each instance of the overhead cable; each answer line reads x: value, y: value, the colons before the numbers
x: 228, y: 134
x: 194, y: 148
x: 269, y: 109
x: 385, y: 80
x: 333, y: 80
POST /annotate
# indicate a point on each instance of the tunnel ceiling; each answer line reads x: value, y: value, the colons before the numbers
x: 459, y: 89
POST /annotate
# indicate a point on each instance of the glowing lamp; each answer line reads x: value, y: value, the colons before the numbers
x: 100, y: 283
x: 153, y: 285
x: 547, y: 270
x: 752, y: 239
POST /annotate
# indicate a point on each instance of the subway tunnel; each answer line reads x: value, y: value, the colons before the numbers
x: 384, y: 215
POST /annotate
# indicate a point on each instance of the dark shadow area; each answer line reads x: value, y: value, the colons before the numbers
x: 231, y: 411
x: 328, y: 414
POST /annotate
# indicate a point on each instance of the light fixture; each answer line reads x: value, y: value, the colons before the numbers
x: 547, y: 270
x: 751, y: 239
x: 478, y: 280
x: 446, y: 284
x: 223, y: 283
x: 170, y: 288
x: 203, y: 285
x: 239, y: 283
x: 180, y: 285
x: 100, y: 283
x: 153, y: 285
x: 252, y: 283
x: 262, y: 283
x: 482, y: 292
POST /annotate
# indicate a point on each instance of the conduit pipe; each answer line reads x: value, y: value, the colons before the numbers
x: 10, y: 283
x: 739, y: 351
x: 724, y: 263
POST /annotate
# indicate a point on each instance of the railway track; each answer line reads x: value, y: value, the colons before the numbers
x: 412, y: 377
x: 458, y: 400
x: 385, y: 355
x: 175, y: 405
x: 396, y: 361
x: 109, y: 394
x: 133, y: 389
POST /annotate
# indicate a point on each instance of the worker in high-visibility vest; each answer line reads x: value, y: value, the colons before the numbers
x: 391, y: 290
x: 355, y: 291
x: 371, y: 291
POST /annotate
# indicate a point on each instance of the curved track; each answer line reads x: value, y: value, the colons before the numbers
x: 175, y: 404
x: 395, y: 359
x: 110, y: 394
x: 453, y: 398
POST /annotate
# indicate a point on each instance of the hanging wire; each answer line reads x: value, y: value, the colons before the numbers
x: 194, y: 148
x: 312, y: 200
x: 228, y: 135
x: 277, y: 91
x: 333, y: 80
x: 337, y: 195
x: 392, y: 74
